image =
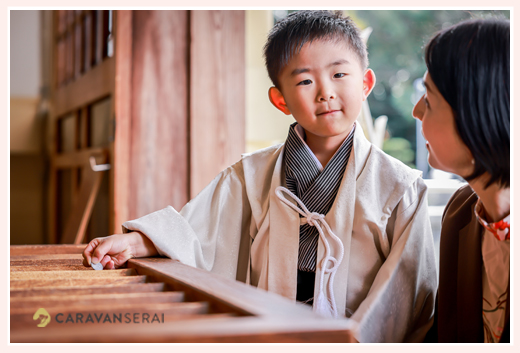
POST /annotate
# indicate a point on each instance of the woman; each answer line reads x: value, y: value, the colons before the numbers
x: 465, y: 120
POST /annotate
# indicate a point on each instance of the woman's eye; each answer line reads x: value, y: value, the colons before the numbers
x: 339, y: 75
x: 304, y: 83
x: 426, y: 102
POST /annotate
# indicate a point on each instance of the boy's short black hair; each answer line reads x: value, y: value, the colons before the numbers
x: 288, y: 36
x: 469, y: 64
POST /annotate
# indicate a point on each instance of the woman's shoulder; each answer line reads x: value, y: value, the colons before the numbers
x: 460, y: 206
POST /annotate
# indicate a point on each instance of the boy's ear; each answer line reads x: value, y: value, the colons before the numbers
x: 276, y: 98
x: 369, y: 81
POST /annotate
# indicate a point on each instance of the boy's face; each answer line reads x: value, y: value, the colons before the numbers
x: 323, y: 87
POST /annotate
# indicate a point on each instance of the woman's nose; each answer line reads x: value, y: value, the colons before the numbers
x: 418, y: 110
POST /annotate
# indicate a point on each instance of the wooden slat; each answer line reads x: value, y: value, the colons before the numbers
x: 93, y: 289
x: 87, y: 89
x: 29, y: 264
x: 99, y: 36
x: 47, y: 257
x: 55, y: 264
x: 204, y: 329
x: 70, y: 331
x: 30, y: 268
x: 33, y: 250
x: 91, y: 274
x: 60, y: 61
x: 88, y: 40
x: 78, y: 48
x: 95, y: 300
x: 84, y: 128
x: 75, y: 282
x: 170, y: 308
x: 171, y: 312
x: 69, y: 56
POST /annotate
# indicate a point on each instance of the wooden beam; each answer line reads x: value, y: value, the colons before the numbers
x: 123, y: 115
x: 78, y: 158
x: 86, y: 89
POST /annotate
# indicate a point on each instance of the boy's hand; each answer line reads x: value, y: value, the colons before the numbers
x: 114, y: 251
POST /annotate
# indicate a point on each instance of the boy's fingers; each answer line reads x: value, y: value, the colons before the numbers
x: 87, y: 253
x: 110, y: 265
x: 105, y: 260
x: 101, y: 250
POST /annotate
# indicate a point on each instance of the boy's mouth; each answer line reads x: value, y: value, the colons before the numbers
x: 327, y: 112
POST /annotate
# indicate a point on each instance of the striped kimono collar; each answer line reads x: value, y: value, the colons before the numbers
x: 316, y: 189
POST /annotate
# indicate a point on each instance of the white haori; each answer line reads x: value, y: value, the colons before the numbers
x: 239, y: 228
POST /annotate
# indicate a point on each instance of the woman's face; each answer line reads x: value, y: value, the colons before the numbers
x: 446, y: 151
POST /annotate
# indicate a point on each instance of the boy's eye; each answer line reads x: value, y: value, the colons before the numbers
x: 304, y: 83
x: 339, y: 75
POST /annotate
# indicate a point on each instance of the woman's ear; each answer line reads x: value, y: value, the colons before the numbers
x: 276, y: 98
x: 369, y: 81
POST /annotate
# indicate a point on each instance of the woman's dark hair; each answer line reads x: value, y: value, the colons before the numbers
x: 469, y: 64
x: 288, y: 36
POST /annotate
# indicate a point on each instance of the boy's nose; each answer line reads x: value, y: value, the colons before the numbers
x: 326, y: 94
x: 418, y: 110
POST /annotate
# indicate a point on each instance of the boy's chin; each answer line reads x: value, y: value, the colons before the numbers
x: 329, y: 133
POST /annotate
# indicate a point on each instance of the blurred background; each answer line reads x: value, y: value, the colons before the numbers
x: 164, y: 100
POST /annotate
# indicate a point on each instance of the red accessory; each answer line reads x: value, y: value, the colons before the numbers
x: 499, y: 229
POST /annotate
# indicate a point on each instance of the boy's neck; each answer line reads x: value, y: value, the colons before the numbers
x: 324, y: 147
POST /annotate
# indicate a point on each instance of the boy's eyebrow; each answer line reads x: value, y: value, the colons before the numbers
x: 302, y: 70
x: 298, y: 71
x: 339, y: 62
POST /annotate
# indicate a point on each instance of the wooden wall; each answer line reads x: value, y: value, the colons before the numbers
x: 173, y: 93
x: 180, y: 105
x: 217, y: 93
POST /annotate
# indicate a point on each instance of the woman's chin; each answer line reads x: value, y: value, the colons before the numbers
x: 434, y: 163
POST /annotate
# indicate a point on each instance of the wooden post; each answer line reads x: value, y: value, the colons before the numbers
x: 217, y: 94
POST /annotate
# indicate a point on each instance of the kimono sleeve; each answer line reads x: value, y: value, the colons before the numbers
x: 211, y: 232
x: 399, y: 306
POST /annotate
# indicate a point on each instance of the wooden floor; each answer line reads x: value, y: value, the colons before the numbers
x: 153, y: 300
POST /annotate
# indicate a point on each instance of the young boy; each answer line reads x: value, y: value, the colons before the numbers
x: 368, y: 210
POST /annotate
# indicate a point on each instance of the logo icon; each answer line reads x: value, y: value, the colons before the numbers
x: 42, y: 315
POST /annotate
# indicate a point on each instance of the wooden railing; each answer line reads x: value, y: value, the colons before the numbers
x: 152, y: 300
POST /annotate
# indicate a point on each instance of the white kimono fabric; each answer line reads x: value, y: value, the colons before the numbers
x: 237, y: 227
